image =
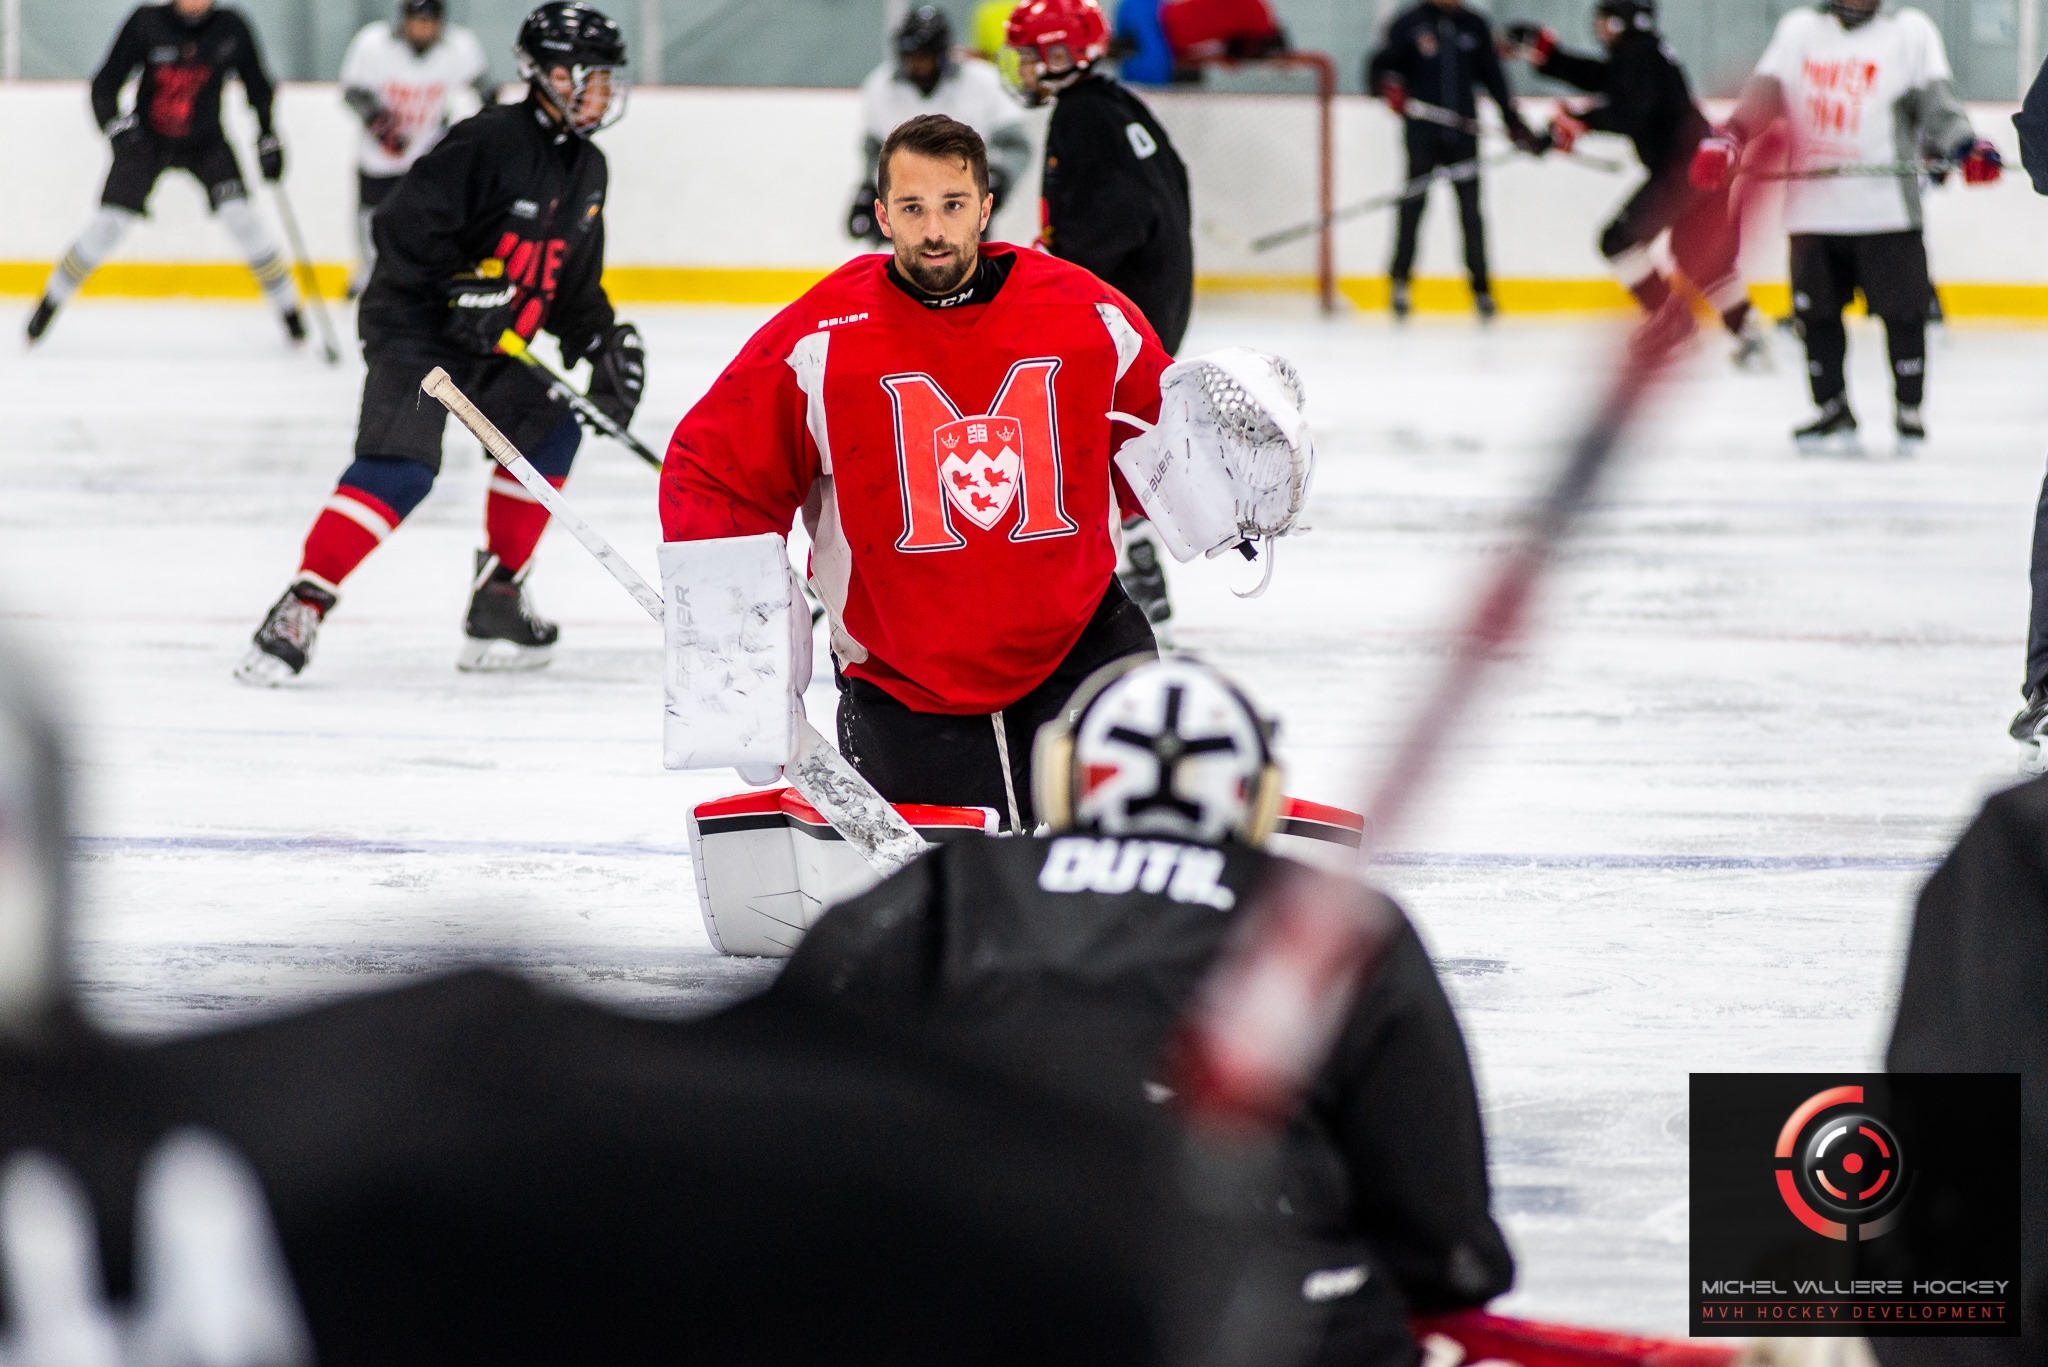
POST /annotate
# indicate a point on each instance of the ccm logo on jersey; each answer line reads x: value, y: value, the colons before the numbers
x: 1141, y: 140
x: 978, y: 467
x: 1186, y: 873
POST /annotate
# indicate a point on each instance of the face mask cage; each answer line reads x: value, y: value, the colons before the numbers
x: 583, y: 78
x: 1032, y: 77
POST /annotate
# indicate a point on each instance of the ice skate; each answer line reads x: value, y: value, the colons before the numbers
x: 2030, y: 729
x: 1912, y: 430
x: 1487, y: 309
x: 1832, y: 431
x: 294, y: 326
x: 1401, y: 299
x: 39, y: 321
x: 502, y: 633
x: 1752, y: 351
x: 283, y: 645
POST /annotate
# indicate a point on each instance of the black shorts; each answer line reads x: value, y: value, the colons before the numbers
x: 372, y: 191
x: 140, y: 162
x: 952, y: 761
x: 1890, y: 269
x: 398, y: 422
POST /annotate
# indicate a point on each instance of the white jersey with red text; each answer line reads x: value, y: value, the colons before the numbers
x: 425, y: 91
x: 1878, y: 93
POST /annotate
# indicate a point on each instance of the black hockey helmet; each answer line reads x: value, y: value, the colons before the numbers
x: 1635, y: 14
x: 422, y: 9
x: 566, y: 35
x: 925, y: 32
x: 1853, y: 13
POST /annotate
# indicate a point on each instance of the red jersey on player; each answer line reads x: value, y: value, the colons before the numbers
x: 952, y: 465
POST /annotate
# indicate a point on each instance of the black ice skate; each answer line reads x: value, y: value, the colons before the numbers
x: 1400, y: 299
x: 284, y: 643
x: 1912, y: 429
x: 1488, y: 310
x: 1139, y: 571
x: 1752, y: 346
x: 2030, y: 729
x: 502, y: 632
x: 295, y: 327
x: 39, y: 321
x: 1833, y: 431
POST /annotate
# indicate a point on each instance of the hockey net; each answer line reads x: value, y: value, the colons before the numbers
x: 1259, y: 140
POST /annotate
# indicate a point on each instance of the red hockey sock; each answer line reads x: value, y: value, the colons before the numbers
x: 513, y: 520
x: 353, y: 524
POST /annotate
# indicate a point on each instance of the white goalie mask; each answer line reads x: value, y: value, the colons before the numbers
x: 1159, y: 747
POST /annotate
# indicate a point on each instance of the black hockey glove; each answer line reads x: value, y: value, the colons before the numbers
x: 270, y: 157
x: 126, y: 133
x: 618, y: 372
x: 860, y: 219
x: 480, y: 310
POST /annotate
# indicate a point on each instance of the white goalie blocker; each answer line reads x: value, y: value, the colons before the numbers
x: 738, y: 660
x: 1228, y: 462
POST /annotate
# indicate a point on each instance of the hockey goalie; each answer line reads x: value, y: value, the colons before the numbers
x: 961, y: 424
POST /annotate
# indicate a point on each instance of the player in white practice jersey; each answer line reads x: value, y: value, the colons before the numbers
x: 407, y: 81
x: 930, y: 77
x: 1869, y: 100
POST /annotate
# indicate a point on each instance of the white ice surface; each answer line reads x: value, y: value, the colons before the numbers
x: 1683, y: 833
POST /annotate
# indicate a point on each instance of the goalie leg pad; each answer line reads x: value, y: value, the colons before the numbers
x: 739, y: 653
x: 1230, y: 457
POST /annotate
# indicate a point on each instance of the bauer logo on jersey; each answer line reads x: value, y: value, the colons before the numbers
x: 982, y: 467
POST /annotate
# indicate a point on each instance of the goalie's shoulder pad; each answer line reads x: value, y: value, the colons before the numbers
x: 738, y: 653
x: 1229, y: 459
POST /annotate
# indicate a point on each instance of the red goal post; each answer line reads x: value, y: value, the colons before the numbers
x: 1260, y: 147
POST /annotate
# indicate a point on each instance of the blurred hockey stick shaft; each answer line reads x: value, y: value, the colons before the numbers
x: 1457, y: 171
x: 1272, y: 1006
x: 513, y: 345
x: 309, y: 279
x: 824, y: 776
x: 1424, y: 112
x: 1931, y: 167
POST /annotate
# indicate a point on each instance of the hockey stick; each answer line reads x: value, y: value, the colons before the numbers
x: 309, y: 282
x: 818, y: 771
x: 1870, y: 168
x: 513, y: 345
x: 1458, y: 171
x: 1425, y: 112
x: 1273, y: 1004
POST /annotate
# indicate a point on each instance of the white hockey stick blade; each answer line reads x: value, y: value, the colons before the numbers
x: 824, y: 776
x: 442, y: 388
x: 830, y: 783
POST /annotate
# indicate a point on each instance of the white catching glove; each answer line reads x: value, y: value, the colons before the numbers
x: 1229, y: 460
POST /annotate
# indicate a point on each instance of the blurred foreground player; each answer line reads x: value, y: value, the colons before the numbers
x: 185, y: 51
x: 929, y: 76
x: 500, y: 227
x: 1857, y: 89
x: 1115, y: 201
x: 945, y: 418
x: 1067, y: 962
x: 407, y: 81
x: 1645, y: 97
x: 1440, y: 53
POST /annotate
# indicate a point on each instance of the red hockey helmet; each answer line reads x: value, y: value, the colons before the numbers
x: 1047, y: 43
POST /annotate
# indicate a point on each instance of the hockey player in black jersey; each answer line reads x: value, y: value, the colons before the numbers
x: 1115, y: 200
x: 1067, y: 961
x: 1440, y: 53
x: 185, y: 51
x: 1643, y: 95
x: 500, y: 228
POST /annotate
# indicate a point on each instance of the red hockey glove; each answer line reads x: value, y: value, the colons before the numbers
x: 1714, y: 163
x: 1981, y: 164
x: 384, y: 128
x: 1565, y: 131
x: 1533, y: 43
x: 1394, y: 93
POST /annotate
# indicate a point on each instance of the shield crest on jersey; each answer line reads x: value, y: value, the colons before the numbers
x: 979, y: 462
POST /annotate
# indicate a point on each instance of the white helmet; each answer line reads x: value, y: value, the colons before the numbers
x: 1159, y: 747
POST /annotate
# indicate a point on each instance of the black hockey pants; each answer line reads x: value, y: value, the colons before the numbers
x: 1891, y: 270
x: 1431, y: 147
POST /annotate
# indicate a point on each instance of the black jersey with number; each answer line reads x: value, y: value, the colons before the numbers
x: 506, y: 185
x: 1648, y: 99
x: 184, y: 65
x: 1116, y: 201
x: 1069, y: 961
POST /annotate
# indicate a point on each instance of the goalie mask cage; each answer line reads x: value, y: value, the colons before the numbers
x: 1259, y: 140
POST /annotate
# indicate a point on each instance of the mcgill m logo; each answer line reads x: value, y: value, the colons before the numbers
x: 979, y: 467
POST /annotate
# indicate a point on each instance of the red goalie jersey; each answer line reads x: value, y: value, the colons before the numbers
x: 952, y: 466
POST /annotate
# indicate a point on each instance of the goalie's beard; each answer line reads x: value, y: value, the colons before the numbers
x: 937, y: 279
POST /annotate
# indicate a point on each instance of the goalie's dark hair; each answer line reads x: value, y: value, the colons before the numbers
x: 937, y: 137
